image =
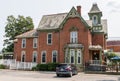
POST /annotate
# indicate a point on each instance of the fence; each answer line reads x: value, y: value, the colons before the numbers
x: 7, y: 62
x: 13, y: 64
x: 23, y: 65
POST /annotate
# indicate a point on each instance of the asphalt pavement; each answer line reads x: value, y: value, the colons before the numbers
x: 17, y: 75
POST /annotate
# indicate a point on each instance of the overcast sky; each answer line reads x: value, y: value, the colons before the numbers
x: 37, y: 8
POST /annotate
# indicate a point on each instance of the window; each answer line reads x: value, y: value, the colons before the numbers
x: 35, y: 43
x: 94, y: 19
x: 73, y: 37
x: 23, y: 56
x: 43, y: 57
x: 23, y: 43
x: 34, y: 58
x: 78, y: 56
x: 54, y: 56
x: 72, y: 56
x: 49, y: 38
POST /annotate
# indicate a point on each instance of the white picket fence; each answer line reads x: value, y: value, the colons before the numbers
x: 13, y: 64
x: 7, y: 62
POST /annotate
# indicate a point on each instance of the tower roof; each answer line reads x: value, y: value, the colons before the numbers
x: 94, y: 9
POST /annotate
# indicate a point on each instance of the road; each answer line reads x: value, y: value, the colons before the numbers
x: 15, y: 75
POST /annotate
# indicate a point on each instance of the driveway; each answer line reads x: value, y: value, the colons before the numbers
x: 16, y: 75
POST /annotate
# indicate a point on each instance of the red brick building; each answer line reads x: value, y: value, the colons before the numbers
x: 64, y: 38
x: 114, y: 46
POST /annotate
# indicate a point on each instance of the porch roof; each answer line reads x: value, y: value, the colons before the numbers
x: 95, y: 47
x: 74, y: 46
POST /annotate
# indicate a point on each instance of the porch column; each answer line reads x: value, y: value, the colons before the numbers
x: 100, y: 56
x: 67, y: 56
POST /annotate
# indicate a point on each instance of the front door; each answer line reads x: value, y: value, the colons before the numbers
x: 95, y: 56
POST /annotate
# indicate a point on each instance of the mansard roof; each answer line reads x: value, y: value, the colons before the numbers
x: 31, y: 33
x: 94, y: 9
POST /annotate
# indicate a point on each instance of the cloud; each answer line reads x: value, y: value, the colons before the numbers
x: 113, y: 6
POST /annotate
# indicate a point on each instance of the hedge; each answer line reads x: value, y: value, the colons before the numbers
x: 2, y: 66
x: 45, y: 67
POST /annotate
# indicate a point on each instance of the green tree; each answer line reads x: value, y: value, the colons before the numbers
x: 110, y: 55
x: 14, y: 27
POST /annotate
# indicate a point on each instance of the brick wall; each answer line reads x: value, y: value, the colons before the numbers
x: 98, y: 39
x: 83, y: 36
x: 115, y: 48
x: 28, y: 50
x: 43, y: 46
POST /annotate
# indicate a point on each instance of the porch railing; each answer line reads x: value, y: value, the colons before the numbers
x: 96, y: 62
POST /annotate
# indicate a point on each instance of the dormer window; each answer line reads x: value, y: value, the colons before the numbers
x: 95, y: 20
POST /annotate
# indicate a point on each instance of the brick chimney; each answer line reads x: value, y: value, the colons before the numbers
x: 79, y: 10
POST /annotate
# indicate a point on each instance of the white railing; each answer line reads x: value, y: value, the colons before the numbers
x: 13, y: 64
x: 95, y: 62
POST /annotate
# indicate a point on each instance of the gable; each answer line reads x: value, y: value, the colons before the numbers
x: 72, y: 14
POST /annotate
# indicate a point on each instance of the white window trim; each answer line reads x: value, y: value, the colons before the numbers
x: 45, y: 57
x: 56, y: 55
x: 34, y: 52
x: 80, y: 56
x: 35, y: 41
x: 23, y: 53
x: 22, y: 43
x: 71, y: 33
x: 74, y: 56
x: 51, y: 39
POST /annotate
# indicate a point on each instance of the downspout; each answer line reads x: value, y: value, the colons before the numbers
x: 59, y: 48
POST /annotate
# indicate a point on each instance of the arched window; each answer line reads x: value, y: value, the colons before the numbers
x: 23, y: 56
x: 95, y: 20
x: 54, y: 56
x: 34, y: 58
x: 43, y: 57
x: 23, y: 43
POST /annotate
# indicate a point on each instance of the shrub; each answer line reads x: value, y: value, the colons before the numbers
x: 52, y: 66
x: 41, y: 67
x: 34, y: 68
x: 2, y: 66
x: 46, y: 67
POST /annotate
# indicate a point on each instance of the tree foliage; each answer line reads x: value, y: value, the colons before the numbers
x: 110, y: 55
x: 14, y: 27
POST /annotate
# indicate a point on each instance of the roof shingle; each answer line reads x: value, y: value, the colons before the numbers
x: 31, y: 33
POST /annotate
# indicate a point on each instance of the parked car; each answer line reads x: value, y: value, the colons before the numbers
x: 66, y: 69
